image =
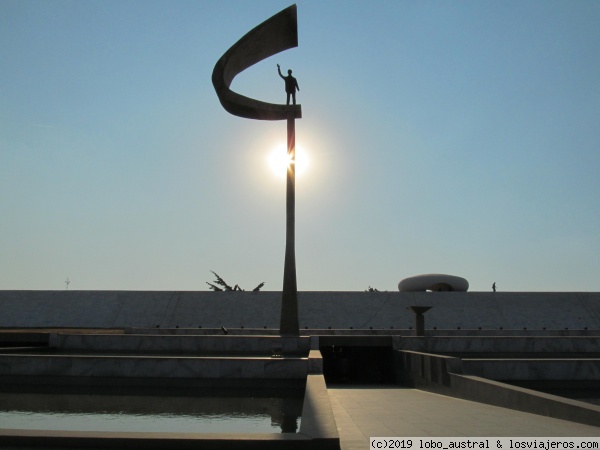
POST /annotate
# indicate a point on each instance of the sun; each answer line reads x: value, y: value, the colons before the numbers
x: 279, y: 160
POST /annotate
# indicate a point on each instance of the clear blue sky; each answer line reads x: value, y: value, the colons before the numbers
x: 457, y: 137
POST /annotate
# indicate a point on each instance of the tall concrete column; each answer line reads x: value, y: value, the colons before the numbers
x: 289, y: 302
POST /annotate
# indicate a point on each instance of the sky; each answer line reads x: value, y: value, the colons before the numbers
x: 455, y: 137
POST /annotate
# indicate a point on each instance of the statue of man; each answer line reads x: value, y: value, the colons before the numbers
x: 291, y: 84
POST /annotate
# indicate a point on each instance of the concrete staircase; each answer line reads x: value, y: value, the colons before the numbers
x: 516, y: 358
x: 162, y: 356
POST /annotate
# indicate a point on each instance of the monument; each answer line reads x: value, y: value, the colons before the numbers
x: 274, y: 35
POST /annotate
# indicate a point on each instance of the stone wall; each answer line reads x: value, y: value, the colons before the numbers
x: 317, y: 310
x: 444, y: 375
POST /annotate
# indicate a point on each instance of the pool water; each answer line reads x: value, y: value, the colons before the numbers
x: 217, y: 411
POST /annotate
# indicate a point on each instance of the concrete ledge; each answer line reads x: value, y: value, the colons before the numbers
x: 533, y: 369
x: 499, y: 344
x: 27, y: 383
x: 371, y: 331
x: 166, y: 441
x: 148, y: 366
x: 423, y: 369
x: 315, y: 362
x: 181, y: 344
x: 442, y: 374
x: 500, y: 394
x: 318, y: 421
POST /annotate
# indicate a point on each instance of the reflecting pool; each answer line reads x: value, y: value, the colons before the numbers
x: 153, y: 410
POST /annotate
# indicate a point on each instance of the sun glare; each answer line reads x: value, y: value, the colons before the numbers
x: 279, y: 160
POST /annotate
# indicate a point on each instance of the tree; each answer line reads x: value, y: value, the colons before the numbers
x: 225, y: 287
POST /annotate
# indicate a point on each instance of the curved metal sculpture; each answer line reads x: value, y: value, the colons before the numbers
x: 273, y: 36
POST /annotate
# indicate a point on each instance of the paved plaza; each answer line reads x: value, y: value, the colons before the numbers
x: 363, y: 412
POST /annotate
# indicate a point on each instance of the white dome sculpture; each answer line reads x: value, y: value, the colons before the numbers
x: 435, y: 282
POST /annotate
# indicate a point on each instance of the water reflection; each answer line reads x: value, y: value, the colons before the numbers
x: 287, y: 415
x: 237, y: 411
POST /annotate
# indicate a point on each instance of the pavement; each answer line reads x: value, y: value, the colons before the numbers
x: 364, y: 412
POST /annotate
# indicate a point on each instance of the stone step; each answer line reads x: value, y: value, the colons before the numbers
x: 152, y: 366
x: 542, y: 369
x: 496, y: 344
x: 263, y: 345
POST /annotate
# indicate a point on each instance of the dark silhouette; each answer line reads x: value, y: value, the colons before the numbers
x: 291, y: 85
x: 225, y: 287
x: 494, y: 286
x: 274, y: 35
